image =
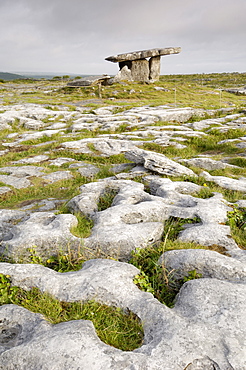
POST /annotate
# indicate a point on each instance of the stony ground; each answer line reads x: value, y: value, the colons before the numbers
x: 156, y: 161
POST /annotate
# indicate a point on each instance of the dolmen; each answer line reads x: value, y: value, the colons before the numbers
x: 143, y: 66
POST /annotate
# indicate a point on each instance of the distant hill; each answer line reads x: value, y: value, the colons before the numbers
x: 10, y: 76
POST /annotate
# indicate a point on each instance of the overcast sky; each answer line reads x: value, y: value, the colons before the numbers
x: 75, y: 36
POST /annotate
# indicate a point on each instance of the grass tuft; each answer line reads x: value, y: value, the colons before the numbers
x: 115, y: 327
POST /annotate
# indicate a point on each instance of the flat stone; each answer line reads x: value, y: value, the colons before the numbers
x: 210, y: 264
x: 208, y: 235
x: 122, y: 167
x: 226, y: 182
x: 35, y: 159
x: 143, y: 54
x: 205, y: 163
x: 57, y: 176
x: 4, y: 189
x: 106, y: 147
x: 16, y: 182
x: 60, y: 161
x: 23, y: 171
x: 91, y: 80
x: 237, y: 91
x: 33, y: 124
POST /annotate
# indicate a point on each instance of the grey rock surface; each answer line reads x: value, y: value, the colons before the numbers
x: 205, y: 163
x: 88, y: 170
x: 227, y: 182
x: 60, y: 161
x: 30, y: 160
x: 206, y: 328
x: 157, y: 163
x: 4, y: 189
x: 206, y: 325
x: 91, y: 80
x: 210, y: 264
x: 106, y: 147
x: 57, y: 176
x: 15, y: 181
x: 46, y: 232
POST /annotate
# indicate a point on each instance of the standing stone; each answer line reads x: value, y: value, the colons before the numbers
x: 154, y: 68
x: 140, y: 70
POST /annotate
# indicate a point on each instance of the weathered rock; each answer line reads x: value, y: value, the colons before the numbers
x: 209, y: 234
x: 4, y: 189
x: 104, y: 147
x: 124, y: 74
x: 204, y: 363
x: 206, y: 163
x: 237, y: 91
x: 154, y: 68
x: 226, y: 182
x: 57, y: 176
x: 210, y: 264
x: 157, y: 163
x: 23, y: 171
x: 140, y: 70
x: 15, y: 181
x: 34, y: 124
x: 88, y: 170
x: 60, y: 161
x: 44, y: 231
x: 30, y: 160
x: 91, y: 80
x: 206, y: 325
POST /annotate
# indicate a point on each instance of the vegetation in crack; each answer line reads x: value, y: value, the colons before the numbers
x: 116, y: 327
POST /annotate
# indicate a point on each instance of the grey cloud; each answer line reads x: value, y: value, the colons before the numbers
x: 76, y: 35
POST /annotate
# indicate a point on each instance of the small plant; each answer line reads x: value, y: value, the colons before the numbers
x: 193, y: 274
x: 237, y: 218
x: 83, y: 229
x: 237, y: 222
x: 106, y: 199
x: 7, y: 292
x: 142, y: 281
x: 174, y: 225
x: 154, y: 278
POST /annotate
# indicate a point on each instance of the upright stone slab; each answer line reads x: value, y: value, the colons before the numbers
x: 140, y: 70
x: 154, y: 68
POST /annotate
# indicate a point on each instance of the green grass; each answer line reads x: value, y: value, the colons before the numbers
x: 106, y: 199
x: 64, y: 189
x: 237, y: 223
x: 238, y: 161
x: 114, y: 326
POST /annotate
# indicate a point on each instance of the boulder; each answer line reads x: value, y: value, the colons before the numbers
x: 158, y: 163
x: 90, y: 80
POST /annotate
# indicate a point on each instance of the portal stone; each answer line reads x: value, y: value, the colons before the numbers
x: 154, y: 68
x: 140, y: 70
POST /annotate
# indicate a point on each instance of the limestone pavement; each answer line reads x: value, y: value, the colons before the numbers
x: 206, y: 328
